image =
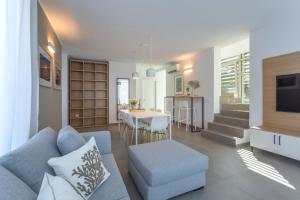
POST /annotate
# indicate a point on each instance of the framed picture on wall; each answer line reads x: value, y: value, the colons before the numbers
x: 179, y: 87
x: 45, y: 68
x: 57, y: 78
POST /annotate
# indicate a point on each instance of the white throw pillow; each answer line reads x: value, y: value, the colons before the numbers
x: 56, y: 188
x: 83, y: 168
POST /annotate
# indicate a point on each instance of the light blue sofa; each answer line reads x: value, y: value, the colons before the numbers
x: 22, y: 170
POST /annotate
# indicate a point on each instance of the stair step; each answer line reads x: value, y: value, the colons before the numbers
x: 234, y: 121
x: 229, y: 140
x: 236, y: 113
x: 237, y: 106
x: 229, y: 130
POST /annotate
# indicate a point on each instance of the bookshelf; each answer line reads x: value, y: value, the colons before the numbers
x: 88, y: 94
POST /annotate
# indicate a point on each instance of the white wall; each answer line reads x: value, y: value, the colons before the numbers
x: 49, y: 97
x: 217, y: 79
x: 170, y: 84
x: 235, y: 48
x: 151, y: 90
x: 160, y: 89
x: 118, y: 70
x: 278, y: 39
x: 35, y: 67
x: 206, y: 69
x: 64, y: 89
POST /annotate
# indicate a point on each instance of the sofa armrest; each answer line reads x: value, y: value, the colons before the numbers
x: 103, y: 140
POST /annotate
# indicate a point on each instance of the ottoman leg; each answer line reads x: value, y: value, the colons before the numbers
x: 200, y: 188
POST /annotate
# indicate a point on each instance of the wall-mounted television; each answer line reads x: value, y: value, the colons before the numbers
x: 288, y: 93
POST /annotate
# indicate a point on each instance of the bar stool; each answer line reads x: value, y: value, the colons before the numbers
x: 184, y: 114
x: 168, y: 109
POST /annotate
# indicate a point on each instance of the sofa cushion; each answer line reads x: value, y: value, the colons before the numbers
x: 69, y: 140
x: 29, y: 162
x: 12, y: 188
x: 83, y: 168
x: 103, y: 140
x: 172, y: 161
x: 114, y: 187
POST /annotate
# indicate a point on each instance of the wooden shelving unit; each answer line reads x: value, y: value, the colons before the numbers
x: 88, y: 94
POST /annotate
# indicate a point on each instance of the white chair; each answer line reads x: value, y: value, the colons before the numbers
x: 159, y: 125
x: 122, y: 123
x: 131, y: 124
x: 168, y: 109
x: 184, y: 114
x: 171, y: 114
x: 148, y: 120
x: 155, y: 110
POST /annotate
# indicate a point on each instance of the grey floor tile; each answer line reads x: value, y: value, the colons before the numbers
x: 231, y: 175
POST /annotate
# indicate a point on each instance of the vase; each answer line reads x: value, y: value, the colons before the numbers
x: 132, y: 106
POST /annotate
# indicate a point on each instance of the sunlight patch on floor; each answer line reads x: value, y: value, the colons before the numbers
x: 262, y: 168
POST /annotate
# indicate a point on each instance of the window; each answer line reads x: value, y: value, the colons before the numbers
x: 235, y: 78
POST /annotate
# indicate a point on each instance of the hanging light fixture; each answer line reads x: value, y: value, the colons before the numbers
x: 150, y: 72
x: 135, y: 75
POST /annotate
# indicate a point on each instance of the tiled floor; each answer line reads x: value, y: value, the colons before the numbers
x: 234, y: 174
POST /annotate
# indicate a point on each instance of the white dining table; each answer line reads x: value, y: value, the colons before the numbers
x: 138, y: 115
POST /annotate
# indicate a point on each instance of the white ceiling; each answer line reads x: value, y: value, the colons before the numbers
x: 116, y: 29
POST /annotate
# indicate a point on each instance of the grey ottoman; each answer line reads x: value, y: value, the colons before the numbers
x: 165, y: 169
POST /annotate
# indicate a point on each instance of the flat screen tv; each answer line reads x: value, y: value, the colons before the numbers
x: 288, y: 93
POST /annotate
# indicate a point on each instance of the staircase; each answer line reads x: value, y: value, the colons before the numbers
x: 230, y: 126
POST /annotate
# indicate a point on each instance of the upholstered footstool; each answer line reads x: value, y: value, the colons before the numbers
x: 165, y: 169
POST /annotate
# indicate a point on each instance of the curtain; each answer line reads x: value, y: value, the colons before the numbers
x: 15, y: 74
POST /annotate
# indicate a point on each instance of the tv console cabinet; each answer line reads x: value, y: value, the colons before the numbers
x: 275, y: 140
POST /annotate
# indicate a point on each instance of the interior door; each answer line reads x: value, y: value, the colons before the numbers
x: 289, y: 146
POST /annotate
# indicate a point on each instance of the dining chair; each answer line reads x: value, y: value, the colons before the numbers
x: 171, y: 115
x: 159, y: 126
x: 122, y: 123
x: 131, y: 124
x: 155, y: 110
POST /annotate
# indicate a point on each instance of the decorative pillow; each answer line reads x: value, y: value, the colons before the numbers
x: 56, y: 188
x: 83, y: 168
x: 69, y: 140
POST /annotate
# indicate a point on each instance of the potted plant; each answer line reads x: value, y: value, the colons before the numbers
x: 133, y: 102
x: 193, y: 85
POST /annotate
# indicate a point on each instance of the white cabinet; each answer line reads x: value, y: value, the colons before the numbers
x: 263, y: 140
x: 289, y: 146
x: 282, y: 144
